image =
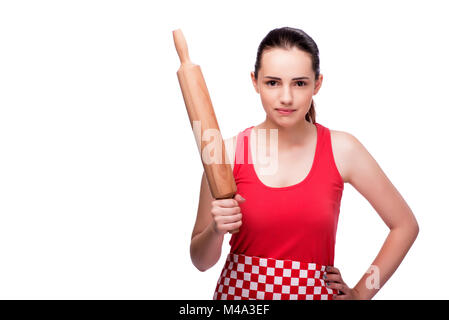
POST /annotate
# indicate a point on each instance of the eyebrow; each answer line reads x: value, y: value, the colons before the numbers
x: 276, y: 78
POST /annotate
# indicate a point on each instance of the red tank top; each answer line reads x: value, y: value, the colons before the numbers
x: 297, y: 222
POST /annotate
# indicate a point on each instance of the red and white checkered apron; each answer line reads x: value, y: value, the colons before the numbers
x: 254, y: 278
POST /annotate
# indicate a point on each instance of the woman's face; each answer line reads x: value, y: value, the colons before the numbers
x: 286, y: 81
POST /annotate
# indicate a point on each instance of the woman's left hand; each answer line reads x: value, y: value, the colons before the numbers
x: 333, y: 280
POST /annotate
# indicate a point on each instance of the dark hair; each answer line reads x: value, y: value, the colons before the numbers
x: 287, y: 38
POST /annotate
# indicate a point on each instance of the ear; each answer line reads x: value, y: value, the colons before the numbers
x: 253, y: 78
x: 318, y: 84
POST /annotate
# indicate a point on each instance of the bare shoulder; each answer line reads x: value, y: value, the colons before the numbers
x: 230, y: 146
x: 345, y: 148
x: 363, y: 172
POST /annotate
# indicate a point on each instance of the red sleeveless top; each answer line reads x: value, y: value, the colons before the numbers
x: 297, y: 222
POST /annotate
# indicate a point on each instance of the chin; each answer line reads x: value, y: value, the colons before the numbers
x: 287, y: 122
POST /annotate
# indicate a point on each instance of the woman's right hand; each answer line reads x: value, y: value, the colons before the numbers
x: 226, y: 214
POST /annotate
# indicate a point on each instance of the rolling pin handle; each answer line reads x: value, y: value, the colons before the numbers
x: 181, y: 46
x: 235, y: 230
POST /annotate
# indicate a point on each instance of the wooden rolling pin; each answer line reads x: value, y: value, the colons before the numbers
x: 202, y: 117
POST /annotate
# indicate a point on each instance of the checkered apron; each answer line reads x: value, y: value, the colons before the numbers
x: 254, y: 278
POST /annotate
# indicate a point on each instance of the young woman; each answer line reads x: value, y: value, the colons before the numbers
x: 284, y: 224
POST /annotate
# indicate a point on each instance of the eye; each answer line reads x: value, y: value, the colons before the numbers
x: 269, y: 82
x: 301, y: 82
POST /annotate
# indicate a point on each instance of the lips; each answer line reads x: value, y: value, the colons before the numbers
x: 285, y: 111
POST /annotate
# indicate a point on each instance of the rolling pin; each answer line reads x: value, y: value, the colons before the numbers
x: 202, y: 118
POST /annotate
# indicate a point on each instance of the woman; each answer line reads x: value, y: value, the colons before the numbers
x: 284, y: 222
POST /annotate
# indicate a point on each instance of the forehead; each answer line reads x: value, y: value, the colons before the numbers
x: 285, y: 62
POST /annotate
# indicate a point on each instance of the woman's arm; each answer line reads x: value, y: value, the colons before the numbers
x: 366, y: 176
x: 206, y: 244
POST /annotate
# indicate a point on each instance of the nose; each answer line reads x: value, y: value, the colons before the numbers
x: 286, y: 96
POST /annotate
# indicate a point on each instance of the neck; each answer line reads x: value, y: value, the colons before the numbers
x: 289, y: 137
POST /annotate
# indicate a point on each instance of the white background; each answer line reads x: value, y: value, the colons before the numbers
x: 99, y: 170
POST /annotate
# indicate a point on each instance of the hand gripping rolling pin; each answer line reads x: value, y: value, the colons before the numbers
x: 201, y: 114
